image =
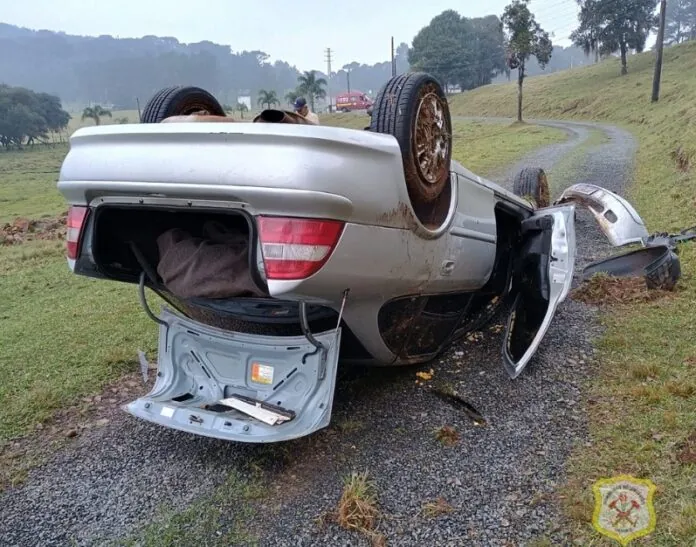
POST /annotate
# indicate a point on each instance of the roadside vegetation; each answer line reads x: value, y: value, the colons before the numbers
x: 642, y: 404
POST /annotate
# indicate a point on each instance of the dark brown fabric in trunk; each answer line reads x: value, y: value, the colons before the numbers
x: 216, y: 266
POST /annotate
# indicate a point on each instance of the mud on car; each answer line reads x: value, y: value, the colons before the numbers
x: 279, y: 248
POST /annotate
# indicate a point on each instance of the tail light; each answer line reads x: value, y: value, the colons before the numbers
x: 76, y: 221
x: 295, y: 248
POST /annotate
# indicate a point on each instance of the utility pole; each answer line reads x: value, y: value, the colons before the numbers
x: 328, y: 81
x: 393, y: 61
x: 660, y: 50
x: 348, y: 78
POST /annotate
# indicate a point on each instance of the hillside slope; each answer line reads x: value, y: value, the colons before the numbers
x: 666, y: 129
x: 641, y: 405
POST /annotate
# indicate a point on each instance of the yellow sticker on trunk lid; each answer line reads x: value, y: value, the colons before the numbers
x: 261, y: 374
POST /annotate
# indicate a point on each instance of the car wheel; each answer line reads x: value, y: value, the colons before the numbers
x: 531, y: 183
x: 413, y: 108
x: 180, y: 101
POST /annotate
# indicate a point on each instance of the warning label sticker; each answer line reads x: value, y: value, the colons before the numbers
x: 261, y: 374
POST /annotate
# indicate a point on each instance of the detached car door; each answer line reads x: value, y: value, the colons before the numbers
x: 541, y: 280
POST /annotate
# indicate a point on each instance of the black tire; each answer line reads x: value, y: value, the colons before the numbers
x: 531, y: 183
x: 180, y: 101
x: 400, y: 110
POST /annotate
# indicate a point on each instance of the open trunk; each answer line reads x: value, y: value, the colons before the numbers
x: 233, y: 363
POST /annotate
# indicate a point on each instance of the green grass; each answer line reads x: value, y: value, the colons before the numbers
x: 485, y: 148
x: 482, y: 147
x: 222, y: 519
x: 644, y: 396
x: 65, y: 336
x: 28, y: 183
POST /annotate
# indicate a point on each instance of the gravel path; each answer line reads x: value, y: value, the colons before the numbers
x: 497, y: 478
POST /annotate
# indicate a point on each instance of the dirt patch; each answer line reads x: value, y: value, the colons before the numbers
x: 603, y: 290
x: 19, y: 456
x: 24, y: 229
x: 682, y: 157
x: 687, y: 451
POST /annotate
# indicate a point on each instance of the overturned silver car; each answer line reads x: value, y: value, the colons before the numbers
x: 281, y: 247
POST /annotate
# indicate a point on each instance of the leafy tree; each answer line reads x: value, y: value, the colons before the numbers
x: 681, y: 21
x: 28, y: 116
x: 242, y: 108
x: 268, y: 98
x: 488, y: 47
x: 439, y: 48
x: 525, y: 39
x: 611, y: 26
x: 460, y: 51
x: 311, y: 87
x: 587, y: 35
x: 95, y: 113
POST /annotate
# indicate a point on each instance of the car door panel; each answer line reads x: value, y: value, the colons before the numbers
x: 542, y: 279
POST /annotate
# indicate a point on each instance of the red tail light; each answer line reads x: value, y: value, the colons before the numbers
x: 76, y: 221
x: 295, y: 248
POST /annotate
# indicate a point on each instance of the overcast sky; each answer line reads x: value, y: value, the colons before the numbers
x: 297, y: 31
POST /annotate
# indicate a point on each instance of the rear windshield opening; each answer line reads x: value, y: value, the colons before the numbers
x: 193, y: 253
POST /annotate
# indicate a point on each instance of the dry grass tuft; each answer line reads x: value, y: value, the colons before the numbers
x: 357, y: 509
x: 603, y: 290
x: 436, y: 508
x: 447, y: 435
x: 685, y: 390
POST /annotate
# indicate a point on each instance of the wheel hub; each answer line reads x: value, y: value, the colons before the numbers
x: 431, y: 137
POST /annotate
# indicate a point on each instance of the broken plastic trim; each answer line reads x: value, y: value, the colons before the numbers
x: 616, y: 217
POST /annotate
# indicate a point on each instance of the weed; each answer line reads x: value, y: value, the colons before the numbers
x: 439, y: 507
x: 447, y: 435
x: 357, y: 509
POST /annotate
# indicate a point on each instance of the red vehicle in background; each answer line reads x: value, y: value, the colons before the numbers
x: 353, y: 100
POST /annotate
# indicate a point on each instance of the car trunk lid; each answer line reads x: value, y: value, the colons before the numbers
x: 240, y: 387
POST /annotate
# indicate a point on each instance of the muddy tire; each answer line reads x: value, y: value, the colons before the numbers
x: 413, y: 108
x: 180, y: 101
x: 531, y: 183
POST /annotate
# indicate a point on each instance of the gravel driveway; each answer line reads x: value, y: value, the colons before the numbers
x: 114, y: 479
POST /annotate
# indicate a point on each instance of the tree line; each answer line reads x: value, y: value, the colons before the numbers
x: 110, y: 71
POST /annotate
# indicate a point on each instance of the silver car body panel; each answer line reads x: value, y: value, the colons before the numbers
x: 560, y: 275
x: 617, y: 218
x: 306, y: 171
x: 200, y: 366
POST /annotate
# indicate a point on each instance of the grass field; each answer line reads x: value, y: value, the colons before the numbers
x: 643, y: 416
x: 64, y: 336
